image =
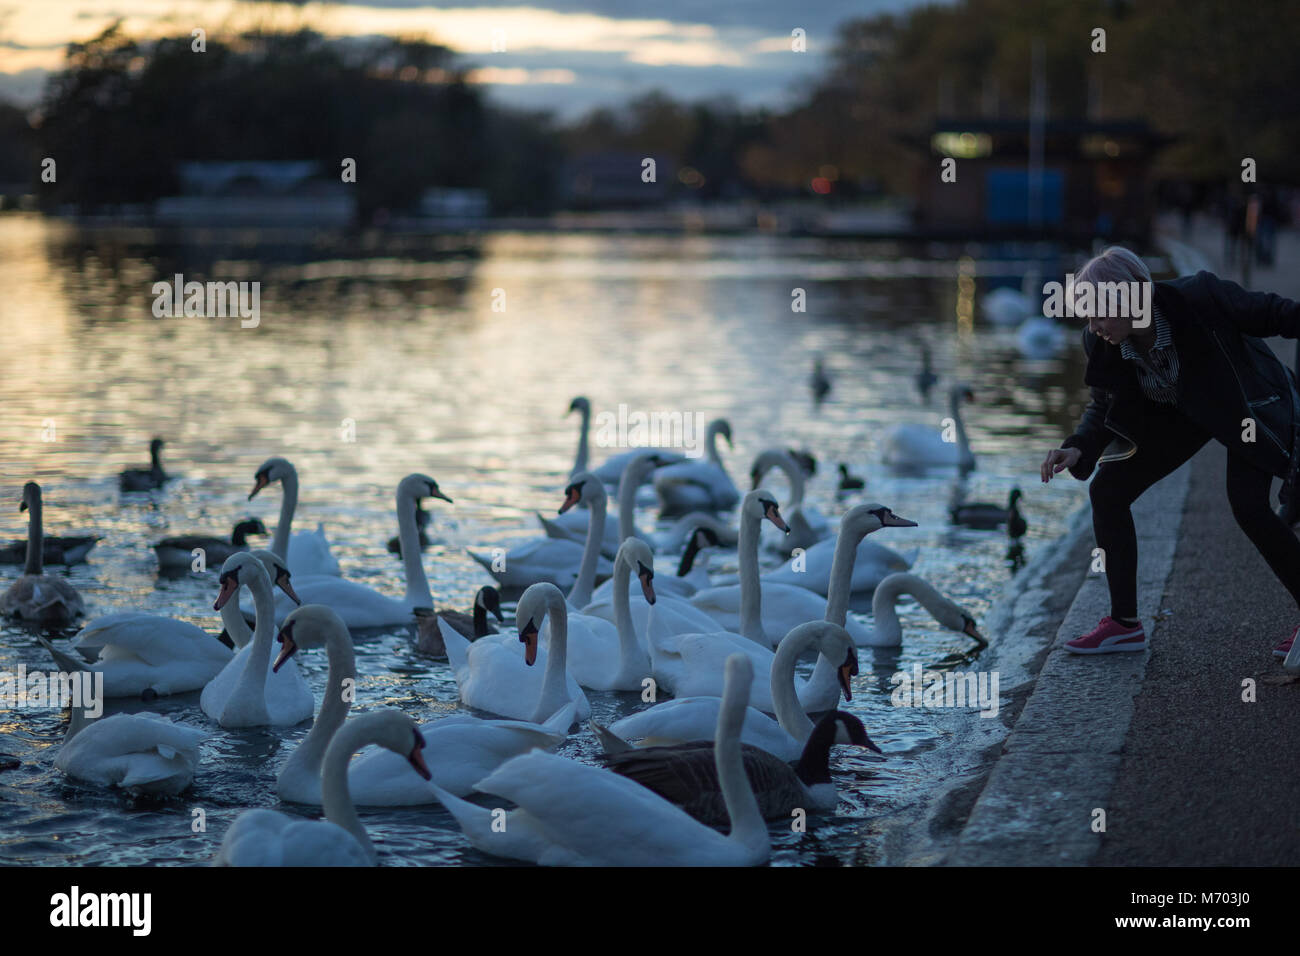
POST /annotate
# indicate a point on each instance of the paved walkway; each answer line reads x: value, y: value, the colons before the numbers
x: 1187, y: 771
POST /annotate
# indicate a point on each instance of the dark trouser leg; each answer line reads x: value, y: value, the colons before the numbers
x: 1248, y: 489
x: 1167, y: 441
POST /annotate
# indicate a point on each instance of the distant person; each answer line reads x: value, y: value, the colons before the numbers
x: 1160, y: 393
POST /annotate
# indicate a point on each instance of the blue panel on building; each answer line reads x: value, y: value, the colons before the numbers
x: 1006, y: 196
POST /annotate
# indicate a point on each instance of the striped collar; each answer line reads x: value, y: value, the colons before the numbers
x: 1164, y: 337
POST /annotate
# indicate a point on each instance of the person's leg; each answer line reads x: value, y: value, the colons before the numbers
x: 1248, y: 493
x: 1168, y: 440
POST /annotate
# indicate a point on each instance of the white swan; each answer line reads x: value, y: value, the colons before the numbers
x: 600, y: 661
x: 888, y: 630
x: 684, y: 719
x: 917, y: 447
x: 807, y: 524
x: 267, y: 838
x: 37, y: 597
x: 573, y: 814
x: 232, y: 613
x: 573, y: 524
x: 528, y: 682
x: 140, y: 753
x: 247, y: 693
x: 307, y: 552
x: 1039, y: 337
x: 698, y: 485
x: 873, y: 563
x: 145, y: 654
x: 363, y: 607
x: 755, y: 607
x: 465, y: 749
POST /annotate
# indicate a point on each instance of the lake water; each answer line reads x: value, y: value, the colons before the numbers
x: 408, y: 347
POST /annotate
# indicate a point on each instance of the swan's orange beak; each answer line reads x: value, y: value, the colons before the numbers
x: 416, y: 758
x: 847, y: 670
x: 572, y: 495
x: 229, y: 585
x: 528, y: 637
x: 773, y: 514
x: 283, y: 580
x: 260, y: 482
x: 287, y: 649
x: 972, y: 630
x: 647, y: 578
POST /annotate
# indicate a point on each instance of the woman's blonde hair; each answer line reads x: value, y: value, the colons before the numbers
x: 1115, y: 264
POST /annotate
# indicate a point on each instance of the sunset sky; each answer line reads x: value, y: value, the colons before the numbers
x: 565, y: 55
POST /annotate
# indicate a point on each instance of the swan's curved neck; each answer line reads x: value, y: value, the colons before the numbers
x: 748, y: 828
x: 408, y: 533
x: 335, y: 798
x: 35, y: 538
x: 636, y: 474
x: 793, y: 474
x: 259, y: 657
x: 751, y: 595
x: 837, y: 601
x: 232, y: 619
x: 288, y: 502
x: 785, y: 699
x: 840, y: 588
x: 580, y: 595
x: 580, y: 459
x: 334, y: 708
x: 555, y: 693
x: 627, y: 643
x: 711, y: 443
x: 884, y: 603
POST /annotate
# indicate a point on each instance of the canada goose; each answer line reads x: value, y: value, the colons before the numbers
x: 850, y: 481
x: 145, y: 479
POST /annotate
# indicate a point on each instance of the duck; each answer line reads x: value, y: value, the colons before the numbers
x: 146, y: 479
x: 819, y: 381
x: 570, y: 814
x: 267, y: 838
x: 686, y: 774
x: 497, y: 675
x: 362, y: 607
x: 472, y: 626
x: 308, y: 552
x: 247, y: 692
x: 464, y: 749
x: 698, y: 485
x: 850, y: 481
x: 177, y: 553
x: 139, y: 753
x: 55, y: 549
x: 986, y: 517
x: 807, y: 524
x: 38, y: 598
x: 918, y: 447
x: 684, y: 719
x: 925, y: 378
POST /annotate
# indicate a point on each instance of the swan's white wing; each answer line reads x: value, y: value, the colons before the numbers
x: 686, y: 719
x: 267, y: 838
x: 147, y: 752
x: 358, y: 605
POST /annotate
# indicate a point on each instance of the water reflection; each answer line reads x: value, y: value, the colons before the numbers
x: 458, y: 358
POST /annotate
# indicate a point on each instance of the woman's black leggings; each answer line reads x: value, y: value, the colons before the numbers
x: 1168, y: 440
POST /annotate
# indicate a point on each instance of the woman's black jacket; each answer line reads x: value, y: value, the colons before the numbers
x: 1226, y: 375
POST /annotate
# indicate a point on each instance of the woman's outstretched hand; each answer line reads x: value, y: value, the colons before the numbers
x: 1057, y: 460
